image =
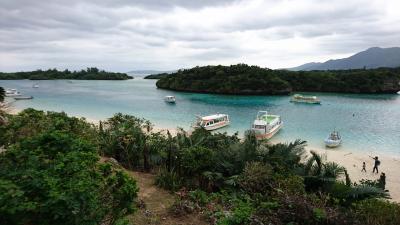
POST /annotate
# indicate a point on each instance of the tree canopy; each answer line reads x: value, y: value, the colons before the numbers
x: 50, y: 173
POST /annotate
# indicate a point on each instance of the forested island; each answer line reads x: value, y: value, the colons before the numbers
x: 243, y: 79
x: 92, y: 73
x: 157, y: 76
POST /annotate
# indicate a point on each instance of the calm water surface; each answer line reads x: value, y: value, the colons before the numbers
x: 368, y: 123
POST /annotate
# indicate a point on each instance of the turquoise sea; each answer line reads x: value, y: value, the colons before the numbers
x: 367, y: 123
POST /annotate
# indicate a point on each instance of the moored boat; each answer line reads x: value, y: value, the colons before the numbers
x: 212, y: 122
x: 23, y: 97
x: 265, y: 126
x: 35, y: 85
x: 305, y: 99
x: 12, y: 92
x: 170, y: 99
x: 333, y: 140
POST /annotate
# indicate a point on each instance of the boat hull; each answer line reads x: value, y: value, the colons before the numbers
x: 214, y: 127
x: 306, y: 102
x: 23, y: 98
x: 332, y: 143
x: 268, y: 135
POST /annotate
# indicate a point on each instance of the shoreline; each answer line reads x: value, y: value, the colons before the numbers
x: 351, y: 160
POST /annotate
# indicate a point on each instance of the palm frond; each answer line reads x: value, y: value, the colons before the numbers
x: 314, y: 164
x: 332, y: 170
x: 362, y: 192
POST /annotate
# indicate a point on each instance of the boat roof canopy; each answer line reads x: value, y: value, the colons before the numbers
x: 260, y: 122
x: 213, y: 117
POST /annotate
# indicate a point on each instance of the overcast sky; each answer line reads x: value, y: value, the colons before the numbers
x: 124, y: 35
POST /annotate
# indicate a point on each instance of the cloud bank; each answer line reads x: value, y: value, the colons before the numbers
x: 121, y: 35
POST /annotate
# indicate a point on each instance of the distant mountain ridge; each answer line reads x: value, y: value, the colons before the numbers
x: 371, y: 58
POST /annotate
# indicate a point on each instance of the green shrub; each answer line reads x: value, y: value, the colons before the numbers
x: 319, y: 214
x: 55, y: 178
x: 267, y: 207
x: 196, y: 160
x: 240, y: 214
x: 199, y: 196
x: 290, y: 184
x: 256, y: 178
x: 377, y: 212
x: 31, y: 122
x: 182, y: 207
x: 168, y: 180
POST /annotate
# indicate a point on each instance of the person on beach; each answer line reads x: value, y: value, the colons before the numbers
x: 382, y: 181
x: 363, y: 168
x: 376, y: 164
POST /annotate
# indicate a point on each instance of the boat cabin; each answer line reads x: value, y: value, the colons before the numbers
x: 213, y: 122
x: 169, y: 99
x: 265, y: 126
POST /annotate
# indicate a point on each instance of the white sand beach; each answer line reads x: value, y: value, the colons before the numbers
x: 352, y: 161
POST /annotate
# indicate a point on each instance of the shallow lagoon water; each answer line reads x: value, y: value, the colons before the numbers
x: 367, y: 123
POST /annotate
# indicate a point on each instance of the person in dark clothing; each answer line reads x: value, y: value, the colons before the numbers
x: 382, y: 181
x: 363, y: 168
x: 376, y: 164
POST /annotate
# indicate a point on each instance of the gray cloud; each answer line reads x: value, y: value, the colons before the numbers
x: 121, y: 35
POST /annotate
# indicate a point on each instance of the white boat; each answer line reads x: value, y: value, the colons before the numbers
x: 170, y: 99
x: 305, y: 99
x: 265, y: 126
x: 12, y: 93
x: 212, y: 122
x: 333, y: 140
x: 35, y: 86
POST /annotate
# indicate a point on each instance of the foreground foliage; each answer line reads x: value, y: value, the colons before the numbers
x: 253, y: 80
x: 50, y: 173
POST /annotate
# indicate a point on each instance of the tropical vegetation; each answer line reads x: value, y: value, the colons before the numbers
x: 52, y: 171
x: 253, y: 80
x: 92, y: 73
x: 2, y: 94
x: 2, y: 106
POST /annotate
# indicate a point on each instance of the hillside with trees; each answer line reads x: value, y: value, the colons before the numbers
x: 51, y: 173
x: 242, y: 79
x: 157, y: 76
x: 54, y: 74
